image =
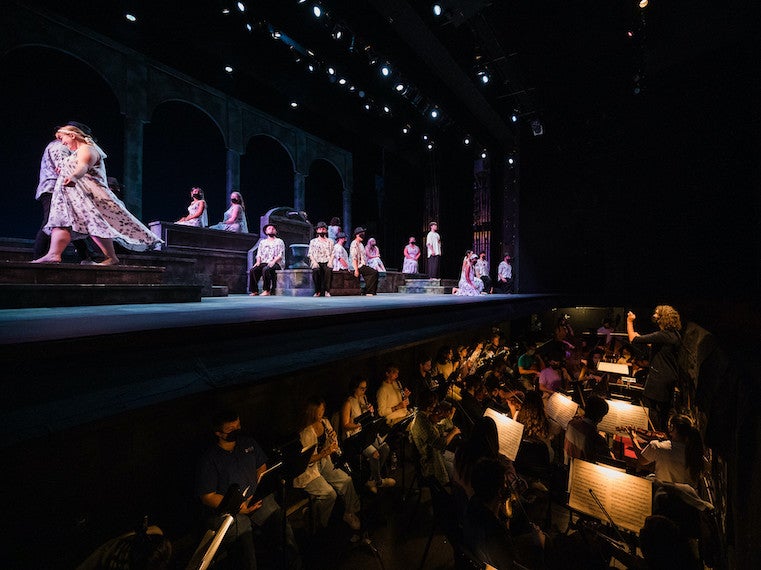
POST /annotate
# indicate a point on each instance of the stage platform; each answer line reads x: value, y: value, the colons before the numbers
x: 68, y: 366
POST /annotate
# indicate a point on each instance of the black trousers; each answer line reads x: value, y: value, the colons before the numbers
x: 371, y: 279
x: 322, y: 276
x: 433, y: 266
x: 487, y: 283
x: 504, y: 287
x: 269, y: 274
x: 42, y: 240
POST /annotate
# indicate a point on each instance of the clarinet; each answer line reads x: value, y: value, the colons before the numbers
x: 337, y: 456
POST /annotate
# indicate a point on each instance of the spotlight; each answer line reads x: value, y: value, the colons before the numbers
x: 386, y: 109
x: 352, y: 88
x: 130, y: 17
x: 643, y: 4
x: 361, y: 94
x: 406, y: 129
x: 483, y: 153
x: 437, y: 11
x: 249, y: 27
x: 294, y: 105
x: 331, y: 71
x: 630, y: 34
x: 317, y: 11
x: 225, y: 11
x: 241, y: 7
x: 310, y: 67
x: 342, y: 81
x: 399, y: 87
x: 275, y: 35
x: 301, y: 1
x: 385, y: 70
x: 466, y: 141
x: 337, y: 34
x: 425, y: 137
x: 228, y: 69
x: 483, y: 77
x: 429, y: 146
x: 514, y: 117
x: 434, y: 113
x: 310, y: 52
x: 367, y: 106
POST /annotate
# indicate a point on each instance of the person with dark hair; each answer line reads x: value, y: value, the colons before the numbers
x: 198, y: 215
x: 269, y: 255
x: 482, y: 271
x: 679, y: 459
x: 663, y: 375
x: 435, y: 460
x: 433, y: 245
x: 529, y: 365
x: 238, y: 459
x: 334, y: 228
x: 378, y: 452
x: 582, y: 440
x: 482, y: 443
x: 393, y: 399
x: 143, y: 549
x: 505, y: 275
x: 411, y: 256
x: 535, y: 422
x: 82, y: 204
x: 321, y: 479
x: 320, y: 257
x: 358, y: 257
x: 235, y: 216
x: 340, y: 255
x: 665, y: 547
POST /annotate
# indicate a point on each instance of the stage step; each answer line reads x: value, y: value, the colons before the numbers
x: 428, y: 286
x: 69, y: 273
x: 220, y: 291
x: 24, y: 295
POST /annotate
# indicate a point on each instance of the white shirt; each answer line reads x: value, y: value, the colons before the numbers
x: 433, y: 243
x: 482, y: 267
x: 504, y: 271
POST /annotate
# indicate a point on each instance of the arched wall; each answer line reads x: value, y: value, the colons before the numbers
x: 141, y: 85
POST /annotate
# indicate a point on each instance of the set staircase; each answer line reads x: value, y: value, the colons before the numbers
x: 417, y: 286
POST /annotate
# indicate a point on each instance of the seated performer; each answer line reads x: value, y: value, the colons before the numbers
x: 321, y: 479
x: 393, y: 399
x: 269, y: 255
x: 435, y: 460
x: 378, y: 452
x: 411, y: 256
x: 340, y: 255
x: 582, y: 440
x: 359, y: 261
x: 235, y: 216
x: 197, y: 214
x: 373, y: 255
x: 320, y: 258
x: 238, y: 459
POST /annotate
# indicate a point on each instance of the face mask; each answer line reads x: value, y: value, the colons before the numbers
x: 235, y: 201
x: 322, y: 234
x: 232, y: 436
x: 271, y: 234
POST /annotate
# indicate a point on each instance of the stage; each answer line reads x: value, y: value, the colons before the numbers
x: 74, y: 365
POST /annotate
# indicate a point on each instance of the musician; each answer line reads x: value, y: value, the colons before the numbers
x: 377, y: 454
x: 423, y: 379
x: 678, y: 459
x: 553, y: 377
x: 393, y: 399
x: 321, y: 479
x: 664, y: 369
x: 529, y: 365
x: 494, y: 348
x: 582, y: 439
x: 435, y: 461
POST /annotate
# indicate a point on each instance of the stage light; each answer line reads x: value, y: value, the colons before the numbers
x: 317, y: 11
x: 342, y: 81
x: 405, y: 129
x: 430, y: 145
x: 425, y: 137
x: 302, y: 1
x: 131, y: 17
x: 228, y: 69
x: 434, y: 113
x: 484, y: 154
x: 385, y: 70
x: 514, y: 117
x: 310, y: 67
x: 331, y: 71
x: 510, y: 160
x: 630, y: 34
x: 225, y: 11
x: 466, y: 141
x: 386, y: 109
x: 367, y: 106
x: 643, y: 3
x: 241, y: 7
x: 337, y: 34
x: 352, y: 88
x: 249, y: 27
x: 294, y: 105
x: 484, y: 77
x: 437, y: 11
x: 399, y: 87
x: 275, y: 35
x: 361, y: 94
x: 310, y: 52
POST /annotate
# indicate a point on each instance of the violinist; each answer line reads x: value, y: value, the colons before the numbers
x: 377, y: 454
x: 435, y: 460
x: 321, y: 479
x: 678, y: 459
x: 582, y: 439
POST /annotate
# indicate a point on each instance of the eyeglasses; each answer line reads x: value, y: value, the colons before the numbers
x: 362, y: 387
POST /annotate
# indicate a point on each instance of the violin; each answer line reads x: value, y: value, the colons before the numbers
x: 646, y: 434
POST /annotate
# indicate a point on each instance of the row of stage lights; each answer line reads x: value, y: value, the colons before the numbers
x: 385, y: 69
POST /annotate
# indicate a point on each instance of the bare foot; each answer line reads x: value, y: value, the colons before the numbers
x: 48, y: 259
x: 253, y: 293
x: 265, y: 293
x: 110, y: 261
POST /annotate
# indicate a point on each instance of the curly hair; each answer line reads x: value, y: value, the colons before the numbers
x: 668, y: 318
x: 532, y: 416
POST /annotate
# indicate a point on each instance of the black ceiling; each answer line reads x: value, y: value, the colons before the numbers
x: 547, y: 60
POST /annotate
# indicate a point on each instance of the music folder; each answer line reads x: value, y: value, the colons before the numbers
x: 269, y: 482
x: 509, y: 432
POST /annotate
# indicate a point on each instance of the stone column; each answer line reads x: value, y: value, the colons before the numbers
x: 232, y: 172
x: 132, y: 184
x: 347, y: 213
x: 299, y: 190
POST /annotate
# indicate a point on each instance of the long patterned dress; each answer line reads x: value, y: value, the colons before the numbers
x: 469, y: 285
x: 201, y: 221
x: 410, y: 265
x: 89, y: 207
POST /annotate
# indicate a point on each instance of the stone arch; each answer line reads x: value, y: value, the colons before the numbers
x: 179, y: 153
x: 324, y: 191
x: 33, y: 107
x: 266, y: 175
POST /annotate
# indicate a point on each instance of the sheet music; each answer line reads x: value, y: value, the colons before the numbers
x: 560, y: 408
x: 627, y: 498
x: 622, y: 414
x: 509, y: 432
x: 613, y: 367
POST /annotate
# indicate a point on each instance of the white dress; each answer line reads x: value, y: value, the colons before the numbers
x: 466, y: 289
x: 410, y: 265
x: 90, y: 208
x: 237, y: 225
x: 201, y: 221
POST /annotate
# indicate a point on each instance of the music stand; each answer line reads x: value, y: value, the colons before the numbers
x: 229, y: 507
x: 401, y: 427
